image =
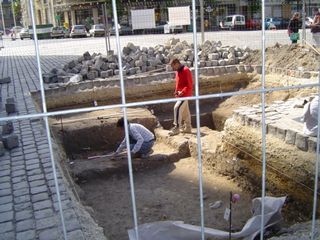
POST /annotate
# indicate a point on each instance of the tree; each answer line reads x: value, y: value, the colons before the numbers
x: 17, y: 10
x: 120, y: 8
x: 291, y: 2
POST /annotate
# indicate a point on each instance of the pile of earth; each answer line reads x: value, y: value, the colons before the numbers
x: 282, y: 56
x: 295, y: 57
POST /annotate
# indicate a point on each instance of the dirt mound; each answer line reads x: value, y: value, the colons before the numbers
x: 287, y: 56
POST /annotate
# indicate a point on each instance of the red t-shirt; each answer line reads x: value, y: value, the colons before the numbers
x: 184, y: 82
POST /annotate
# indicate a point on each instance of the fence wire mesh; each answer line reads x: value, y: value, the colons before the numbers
x: 130, y: 44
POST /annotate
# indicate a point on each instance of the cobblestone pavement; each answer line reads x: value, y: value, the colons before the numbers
x: 28, y: 199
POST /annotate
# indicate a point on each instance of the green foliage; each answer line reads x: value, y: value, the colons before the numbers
x: 120, y: 8
x: 17, y: 10
x: 298, y: 2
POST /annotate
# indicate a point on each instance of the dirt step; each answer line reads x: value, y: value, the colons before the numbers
x: 86, y: 169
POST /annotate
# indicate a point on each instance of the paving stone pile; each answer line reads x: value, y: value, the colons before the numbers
x: 137, y: 60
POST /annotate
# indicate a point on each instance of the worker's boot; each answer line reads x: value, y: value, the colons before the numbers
x: 187, y: 129
x: 174, y: 131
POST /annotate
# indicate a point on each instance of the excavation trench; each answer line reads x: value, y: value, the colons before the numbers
x: 166, y: 184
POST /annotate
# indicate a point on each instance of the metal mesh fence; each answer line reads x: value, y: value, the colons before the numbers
x: 133, y: 26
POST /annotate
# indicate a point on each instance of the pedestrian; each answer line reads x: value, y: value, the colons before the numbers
x: 293, y: 28
x: 315, y: 27
x: 184, y: 86
x: 141, y: 139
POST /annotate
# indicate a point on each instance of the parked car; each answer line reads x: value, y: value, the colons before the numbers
x: 97, y: 30
x: 78, y: 31
x: 24, y: 33
x: 59, y: 32
x: 159, y: 29
x: 43, y: 31
x: 277, y: 23
x: 308, y: 21
x: 171, y: 28
x: 123, y: 30
x: 253, y: 24
x: 16, y: 29
x: 233, y: 22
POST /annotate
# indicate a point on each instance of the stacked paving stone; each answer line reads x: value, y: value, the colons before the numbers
x: 283, y: 120
x: 137, y: 60
x: 10, y: 106
x: 300, y: 73
x: 8, y: 140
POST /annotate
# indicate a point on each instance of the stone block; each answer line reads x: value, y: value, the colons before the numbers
x: 72, y: 64
x: 222, y: 62
x: 248, y: 68
x: 11, y: 141
x: 104, y: 74
x: 306, y: 75
x: 258, y: 69
x: 7, y: 128
x: 271, y: 129
x: 214, y: 63
x: 87, y: 56
x: 150, y: 68
x: 230, y: 69
x: 301, y: 142
x: 104, y: 67
x: 10, y: 108
x: 312, y: 144
x: 92, y: 75
x: 132, y: 71
x: 5, y: 80
x: 241, y: 68
x: 290, y: 137
x: 202, y: 64
x: 216, y: 71
x: 281, y: 133
x: 49, y: 78
x: 223, y: 70
x: 210, y: 71
x: 10, y: 100
x: 2, y: 149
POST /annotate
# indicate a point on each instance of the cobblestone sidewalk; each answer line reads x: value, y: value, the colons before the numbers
x: 28, y: 199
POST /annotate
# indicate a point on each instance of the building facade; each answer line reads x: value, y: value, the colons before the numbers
x: 7, y: 14
x: 61, y: 12
x: 88, y: 12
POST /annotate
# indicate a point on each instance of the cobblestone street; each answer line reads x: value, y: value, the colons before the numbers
x: 28, y: 199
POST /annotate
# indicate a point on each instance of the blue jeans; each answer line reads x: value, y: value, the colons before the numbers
x: 145, y: 147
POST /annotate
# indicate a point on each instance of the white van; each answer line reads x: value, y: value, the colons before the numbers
x: 233, y: 22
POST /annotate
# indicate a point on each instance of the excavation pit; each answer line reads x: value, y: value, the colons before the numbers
x: 166, y: 184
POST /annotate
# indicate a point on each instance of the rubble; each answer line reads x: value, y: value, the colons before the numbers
x: 136, y: 60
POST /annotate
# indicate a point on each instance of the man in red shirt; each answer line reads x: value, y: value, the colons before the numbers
x: 184, y: 86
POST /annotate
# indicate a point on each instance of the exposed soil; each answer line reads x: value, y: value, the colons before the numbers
x: 170, y: 192
x: 281, y: 56
x: 287, y: 56
x: 166, y: 193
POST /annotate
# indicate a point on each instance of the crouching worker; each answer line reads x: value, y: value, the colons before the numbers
x: 141, y: 139
x: 310, y: 117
